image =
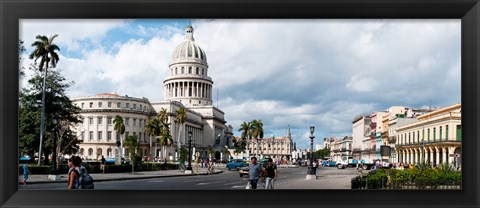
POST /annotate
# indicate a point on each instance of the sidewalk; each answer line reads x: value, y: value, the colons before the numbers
x: 322, y: 182
x: 35, y: 179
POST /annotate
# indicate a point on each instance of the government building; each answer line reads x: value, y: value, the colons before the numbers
x: 188, y: 85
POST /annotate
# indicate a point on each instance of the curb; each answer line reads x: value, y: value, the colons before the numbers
x: 124, y: 178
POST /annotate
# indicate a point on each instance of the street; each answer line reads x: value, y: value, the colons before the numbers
x: 288, y: 178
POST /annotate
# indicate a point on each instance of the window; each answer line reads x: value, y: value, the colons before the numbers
x: 134, y: 106
x: 118, y: 105
x: 90, y: 136
x: 176, y: 71
x: 127, y: 121
x: 83, y: 105
x: 99, y: 104
x: 203, y: 71
x: 109, y: 120
x: 109, y: 104
x: 99, y: 138
x: 446, y: 132
x: 127, y: 105
x: 140, y: 136
x: 197, y: 70
x: 109, y: 136
x: 126, y: 134
x: 440, y: 137
x: 434, y: 134
x: 99, y: 120
x: 428, y: 135
x: 134, y: 121
x: 109, y: 152
x: 90, y: 152
x: 134, y: 133
x: 99, y: 152
x: 183, y: 70
x: 82, y: 151
x: 189, y: 70
x: 90, y: 120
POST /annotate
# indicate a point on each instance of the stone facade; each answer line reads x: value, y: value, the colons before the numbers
x: 188, y: 86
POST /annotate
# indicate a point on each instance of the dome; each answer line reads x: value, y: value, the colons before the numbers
x: 188, y: 50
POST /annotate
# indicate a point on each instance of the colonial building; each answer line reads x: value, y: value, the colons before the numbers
x: 276, y: 148
x: 435, y: 138
x: 188, y: 86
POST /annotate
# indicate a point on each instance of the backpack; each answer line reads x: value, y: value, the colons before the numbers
x: 85, y: 181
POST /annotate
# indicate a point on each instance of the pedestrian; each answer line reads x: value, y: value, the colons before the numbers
x: 73, y: 174
x: 271, y: 174
x: 103, y: 164
x: 254, y: 172
x: 26, y: 172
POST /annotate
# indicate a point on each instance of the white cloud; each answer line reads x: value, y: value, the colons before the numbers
x: 285, y: 72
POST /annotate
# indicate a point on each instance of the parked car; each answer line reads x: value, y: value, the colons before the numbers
x: 235, y: 164
x: 243, y: 171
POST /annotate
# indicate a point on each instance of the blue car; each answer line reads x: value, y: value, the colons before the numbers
x: 235, y: 164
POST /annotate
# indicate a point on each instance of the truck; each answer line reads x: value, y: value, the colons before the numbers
x: 348, y: 161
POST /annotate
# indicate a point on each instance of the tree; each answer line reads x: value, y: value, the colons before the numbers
x: 183, y: 156
x: 67, y: 141
x: 21, y: 50
x: 165, y: 139
x: 211, y: 152
x: 226, y: 154
x: 132, y: 143
x: 45, y: 51
x: 119, y: 127
x: 246, y: 128
x: 180, y: 119
x: 152, y: 128
x: 30, y: 110
x: 322, y: 153
x: 257, y: 131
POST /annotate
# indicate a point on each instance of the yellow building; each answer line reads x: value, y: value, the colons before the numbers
x: 435, y: 138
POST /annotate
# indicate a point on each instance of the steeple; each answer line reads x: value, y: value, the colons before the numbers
x: 289, y: 134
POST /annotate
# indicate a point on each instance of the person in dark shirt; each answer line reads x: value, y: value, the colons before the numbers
x: 103, y: 163
x: 271, y: 174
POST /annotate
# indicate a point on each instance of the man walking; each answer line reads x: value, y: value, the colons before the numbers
x: 271, y: 174
x: 103, y: 163
x: 254, y: 173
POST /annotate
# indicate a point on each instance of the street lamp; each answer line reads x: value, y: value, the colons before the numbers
x: 311, y: 174
x: 189, y: 167
x: 54, y: 172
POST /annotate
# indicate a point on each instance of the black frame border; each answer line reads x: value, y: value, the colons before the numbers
x: 13, y: 10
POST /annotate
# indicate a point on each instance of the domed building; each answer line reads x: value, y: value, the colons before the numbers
x: 188, y: 85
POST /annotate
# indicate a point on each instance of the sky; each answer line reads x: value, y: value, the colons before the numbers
x: 288, y: 73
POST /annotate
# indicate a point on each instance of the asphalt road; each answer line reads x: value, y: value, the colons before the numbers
x: 227, y: 180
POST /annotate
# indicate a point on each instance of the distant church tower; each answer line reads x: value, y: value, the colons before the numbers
x: 189, y: 82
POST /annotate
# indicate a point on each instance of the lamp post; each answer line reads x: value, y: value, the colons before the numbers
x: 311, y: 174
x: 54, y: 172
x: 189, y: 167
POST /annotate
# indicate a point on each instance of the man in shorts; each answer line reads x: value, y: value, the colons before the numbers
x: 103, y: 163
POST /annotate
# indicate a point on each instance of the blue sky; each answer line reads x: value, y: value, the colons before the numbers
x: 293, y: 73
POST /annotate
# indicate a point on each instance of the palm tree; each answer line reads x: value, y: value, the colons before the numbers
x: 45, y: 51
x: 165, y: 139
x: 180, y: 119
x: 152, y: 128
x: 132, y: 142
x: 163, y: 116
x: 119, y: 127
x: 257, y: 130
x: 245, y: 128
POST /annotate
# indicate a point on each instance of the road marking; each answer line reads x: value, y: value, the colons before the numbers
x: 201, y: 184
x: 192, y: 181
x: 232, y: 183
x: 156, y: 181
x: 238, y: 187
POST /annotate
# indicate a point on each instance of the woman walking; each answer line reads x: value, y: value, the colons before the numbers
x: 73, y: 173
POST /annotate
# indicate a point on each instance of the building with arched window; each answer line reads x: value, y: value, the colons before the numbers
x: 188, y: 85
x: 435, y: 138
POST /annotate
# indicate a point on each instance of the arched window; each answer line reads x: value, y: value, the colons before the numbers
x: 109, y: 152
x: 183, y: 70
x: 189, y: 70
x: 203, y: 71
x: 176, y: 70
x: 82, y: 151
x: 90, y: 152
x: 197, y: 70
x: 99, y: 152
